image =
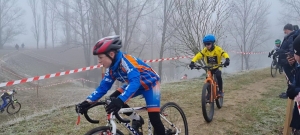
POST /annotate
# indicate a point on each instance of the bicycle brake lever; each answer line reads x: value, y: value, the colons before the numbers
x: 78, y: 119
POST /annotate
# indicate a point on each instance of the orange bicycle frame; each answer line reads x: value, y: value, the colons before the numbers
x: 213, y: 85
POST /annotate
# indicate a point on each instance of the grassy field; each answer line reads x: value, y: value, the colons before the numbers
x: 251, y: 107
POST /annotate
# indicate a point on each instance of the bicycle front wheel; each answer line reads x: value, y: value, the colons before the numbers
x: 13, y: 107
x: 273, y: 68
x: 104, y: 130
x: 219, y: 102
x: 207, y: 103
x: 174, y: 119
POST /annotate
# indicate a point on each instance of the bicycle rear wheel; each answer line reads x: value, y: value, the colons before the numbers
x: 273, y: 68
x: 13, y: 107
x: 207, y: 104
x: 177, y: 120
x: 104, y: 130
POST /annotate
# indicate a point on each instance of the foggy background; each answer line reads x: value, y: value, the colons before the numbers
x: 274, y: 19
x: 150, y: 29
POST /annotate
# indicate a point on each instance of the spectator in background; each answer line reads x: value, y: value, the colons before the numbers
x: 23, y: 45
x: 293, y: 91
x: 17, y: 46
x: 287, y: 50
x: 184, y: 77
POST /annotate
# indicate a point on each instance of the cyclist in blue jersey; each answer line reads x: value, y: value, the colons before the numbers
x: 139, y: 77
x: 4, y: 97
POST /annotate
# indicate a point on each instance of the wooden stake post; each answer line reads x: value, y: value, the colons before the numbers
x: 37, y: 89
x: 82, y: 82
x: 288, y: 117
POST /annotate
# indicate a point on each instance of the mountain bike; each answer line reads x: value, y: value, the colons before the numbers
x: 210, y: 92
x: 13, y: 105
x: 275, y: 65
x: 111, y: 128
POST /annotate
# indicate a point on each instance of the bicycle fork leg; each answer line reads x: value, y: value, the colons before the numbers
x: 209, y: 92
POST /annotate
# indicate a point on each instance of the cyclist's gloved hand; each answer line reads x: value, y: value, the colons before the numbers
x: 80, y: 108
x: 114, y: 106
x: 269, y: 55
x: 192, y: 65
x: 227, y: 62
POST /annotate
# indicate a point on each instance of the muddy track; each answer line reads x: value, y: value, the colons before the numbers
x: 225, y: 117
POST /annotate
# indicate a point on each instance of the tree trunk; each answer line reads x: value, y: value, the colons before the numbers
x: 1, y: 44
x: 52, y: 32
x: 163, y: 39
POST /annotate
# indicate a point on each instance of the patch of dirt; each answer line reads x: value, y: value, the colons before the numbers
x: 34, y: 101
x: 225, y: 117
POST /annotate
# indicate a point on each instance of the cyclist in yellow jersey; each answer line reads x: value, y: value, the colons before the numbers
x: 212, y: 54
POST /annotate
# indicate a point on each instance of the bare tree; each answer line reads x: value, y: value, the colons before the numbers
x: 66, y: 23
x: 36, y: 20
x: 45, y: 11
x: 124, y: 16
x: 196, y: 18
x: 10, y: 23
x: 248, y: 25
x: 291, y: 11
x: 53, y: 20
x: 168, y: 8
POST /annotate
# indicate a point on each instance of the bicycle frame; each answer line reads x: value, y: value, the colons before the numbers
x: 213, y: 85
x: 111, y: 119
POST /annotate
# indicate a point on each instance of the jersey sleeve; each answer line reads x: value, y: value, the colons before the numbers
x: 130, y: 64
x: 104, y: 86
x: 198, y: 56
x: 224, y: 54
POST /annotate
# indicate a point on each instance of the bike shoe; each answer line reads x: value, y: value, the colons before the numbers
x: 137, y: 124
x: 283, y: 95
x: 221, y: 94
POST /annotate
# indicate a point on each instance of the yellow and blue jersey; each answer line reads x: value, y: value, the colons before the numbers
x: 211, y: 57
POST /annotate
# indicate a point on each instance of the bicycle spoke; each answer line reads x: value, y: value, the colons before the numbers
x: 174, y: 119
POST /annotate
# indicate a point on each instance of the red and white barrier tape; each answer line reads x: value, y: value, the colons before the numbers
x: 10, y: 83
x: 53, y: 84
x: 89, y: 81
x: 48, y: 76
x: 245, y: 53
x: 24, y: 80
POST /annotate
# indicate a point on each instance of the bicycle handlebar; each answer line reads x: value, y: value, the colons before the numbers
x: 88, y: 118
x: 209, y: 67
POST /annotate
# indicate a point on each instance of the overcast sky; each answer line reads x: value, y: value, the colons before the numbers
x: 28, y: 38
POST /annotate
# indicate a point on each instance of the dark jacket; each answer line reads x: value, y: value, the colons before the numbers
x: 292, y: 93
x: 6, y: 95
x: 287, y: 47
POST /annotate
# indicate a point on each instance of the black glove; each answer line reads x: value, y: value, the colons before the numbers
x: 227, y: 62
x: 291, y: 92
x: 269, y: 55
x: 114, y: 106
x: 80, y: 108
x: 192, y: 65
